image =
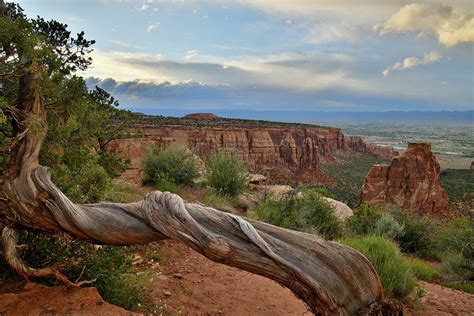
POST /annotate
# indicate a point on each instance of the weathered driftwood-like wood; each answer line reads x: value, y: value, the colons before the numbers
x: 330, y: 278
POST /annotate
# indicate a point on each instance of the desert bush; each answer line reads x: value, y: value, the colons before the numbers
x: 323, y: 191
x: 122, y: 192
x: 309, y: 213
x: 467, y: 287
x: 387, y: 227
x: 319, y: 215
x: 422, y: 270
x: 109, y: 265
x: 280, y: 212
x: 113, y: 163
x: 419, y: 234
x: 363, y: 221
x: 226, y: 173
x: 397, y: 279
x: 459, y: 183
x: 456, y: 247
x: 213, y: 199
x: 90, y: 185
x: 169, y: 167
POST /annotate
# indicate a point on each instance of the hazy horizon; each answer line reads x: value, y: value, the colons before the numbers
x: 402, y: 117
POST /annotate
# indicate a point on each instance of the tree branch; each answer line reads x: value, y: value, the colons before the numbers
x: 330, y: 278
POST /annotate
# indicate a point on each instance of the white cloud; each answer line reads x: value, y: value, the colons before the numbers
x: 190, y: 54
x: 125, y: 44
x: 450, y: 26
x: 143, y: 7
x: 410, y: 62
x: 152, y: 26
x: 326, y: 33
x: 74, y: 18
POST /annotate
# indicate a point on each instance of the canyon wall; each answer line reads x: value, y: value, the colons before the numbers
x: 411, y: 181
x: 285, y: 154
x: 357, y: 144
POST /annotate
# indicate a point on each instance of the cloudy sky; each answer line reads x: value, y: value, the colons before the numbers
x: 321, y: 55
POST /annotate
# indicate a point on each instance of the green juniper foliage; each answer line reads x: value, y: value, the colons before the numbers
x: 394, y: 272
x: 308, y: 213
x: 168, y: 168
x: 226, y: 173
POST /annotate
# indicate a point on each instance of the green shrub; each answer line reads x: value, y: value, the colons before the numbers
x: 215, y: 200
x: 456, y: 243
x: 90, y: 185
x: 387, y: 227
x: 457, y: 267
x: 282, y: 212
x: 459, y: 183
x: 166, y: 185
x: 113, y: 163
x: 109, y: 265
x: 309, y: 213
x: 169, y: 167
x: 422, y: 270
x: 323, y: 191
x: 319, y: 216
x: 124, y: 193
x: 395, y: 274
x: 363, y: 221
x: 418, y: 236
x: 467, y: 287
x: 226, y: 173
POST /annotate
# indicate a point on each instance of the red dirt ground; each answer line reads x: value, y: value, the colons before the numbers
x: 34, y: 299
x: 194, y: 285
x: 190, y: 284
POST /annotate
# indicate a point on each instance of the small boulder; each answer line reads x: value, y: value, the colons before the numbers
x: 341, y: 210
x: 277, y: 190
x: 257, y: 179
x: 245, y: 201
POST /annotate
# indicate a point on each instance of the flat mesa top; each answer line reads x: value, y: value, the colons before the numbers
x: 200, y: 120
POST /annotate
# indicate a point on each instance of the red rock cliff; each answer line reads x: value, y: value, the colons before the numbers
x: 285, y: 153
x: 357, y: 144
x: 412, y: 181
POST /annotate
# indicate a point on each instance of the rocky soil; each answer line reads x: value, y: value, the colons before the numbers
x: 188, y: 283
x: 33, y: 299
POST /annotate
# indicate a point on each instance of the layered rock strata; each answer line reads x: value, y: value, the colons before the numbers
x: 284, y: 154
x: 411, y: 181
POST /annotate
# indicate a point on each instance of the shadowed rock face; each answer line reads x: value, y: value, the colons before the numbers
x: 285, y: 154
x: 358, y: 145
x: 411, y: 181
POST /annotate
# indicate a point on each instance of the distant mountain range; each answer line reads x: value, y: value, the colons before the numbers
x: 392, y: 117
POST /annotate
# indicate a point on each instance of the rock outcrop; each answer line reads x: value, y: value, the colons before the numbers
x: 341, y: 210
x: 206, y: 116
x: 284, y: 153
x: 411, y: 181
x: 357, y: 144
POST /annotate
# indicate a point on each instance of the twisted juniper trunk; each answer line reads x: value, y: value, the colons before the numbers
x: 330, y: 278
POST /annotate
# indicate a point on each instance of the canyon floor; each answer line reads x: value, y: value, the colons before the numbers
x: 189, y: 284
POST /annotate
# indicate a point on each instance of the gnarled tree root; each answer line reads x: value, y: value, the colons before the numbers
x: 10, y: 246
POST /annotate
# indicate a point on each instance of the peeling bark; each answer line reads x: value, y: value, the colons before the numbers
x: 330, y: 278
